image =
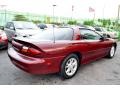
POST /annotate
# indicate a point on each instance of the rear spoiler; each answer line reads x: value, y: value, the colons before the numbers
x: 26, y: 43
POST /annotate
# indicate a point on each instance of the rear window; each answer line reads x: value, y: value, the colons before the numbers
x: 60, y: 34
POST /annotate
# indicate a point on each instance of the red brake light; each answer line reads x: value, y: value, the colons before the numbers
x: 30, y: 51
x: 33, y: 51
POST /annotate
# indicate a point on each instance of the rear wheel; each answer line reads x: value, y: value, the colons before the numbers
x: 111, y: 52
x: 69, y: 66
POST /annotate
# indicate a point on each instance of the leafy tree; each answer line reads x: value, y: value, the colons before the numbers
x: 72, y: 22
x: 20, y: 18
x: 36, y: 21
x: 105, y: 22
x: 90, y: 22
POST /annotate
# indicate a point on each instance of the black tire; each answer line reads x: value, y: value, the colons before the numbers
x: 109, y: 54
x: 63, y: 73
x: 6, y: 48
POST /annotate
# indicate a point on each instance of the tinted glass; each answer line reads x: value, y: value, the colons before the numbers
x: 60, y: 34
x: 89, y: 35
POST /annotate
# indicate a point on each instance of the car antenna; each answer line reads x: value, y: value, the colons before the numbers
x: 53, y: 34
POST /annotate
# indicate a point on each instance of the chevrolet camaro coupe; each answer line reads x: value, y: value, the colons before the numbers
x: 60, y: 50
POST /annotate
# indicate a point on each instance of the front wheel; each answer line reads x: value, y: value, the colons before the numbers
x: 69, y: 66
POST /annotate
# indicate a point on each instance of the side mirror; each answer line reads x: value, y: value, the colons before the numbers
x: 105, y: 35
x: 102, y: 38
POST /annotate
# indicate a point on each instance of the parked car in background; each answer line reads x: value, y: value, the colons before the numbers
x: 110, y: 34
x: 46, y: 26
x: 20, y: 28
x: 116, y: 33
x: 40, y: 54
x: 3, y: 40
x: 1, y: 27
x: 51, y: 26
x: 42, y: 26
x: 91, y: 27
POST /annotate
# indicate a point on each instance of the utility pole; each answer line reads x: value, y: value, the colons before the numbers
x: 53, y: 11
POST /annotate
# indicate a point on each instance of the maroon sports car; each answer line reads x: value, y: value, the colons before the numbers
x: 62, y: 50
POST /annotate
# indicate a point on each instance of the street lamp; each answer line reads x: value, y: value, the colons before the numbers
x: 72, y: 12
x: 3, y: 6
x: 53, y: 11
x: 53, y: 22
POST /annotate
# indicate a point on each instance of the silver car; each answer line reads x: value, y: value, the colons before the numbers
x: 21, y: 29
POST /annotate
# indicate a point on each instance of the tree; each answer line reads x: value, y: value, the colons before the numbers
x: 20, y: 18
x: 72, y: 22
x: 36, y: 21
x: 90, y: 22
x: 105, y: 22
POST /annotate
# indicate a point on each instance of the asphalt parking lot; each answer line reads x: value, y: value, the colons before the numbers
x: 104, y: 71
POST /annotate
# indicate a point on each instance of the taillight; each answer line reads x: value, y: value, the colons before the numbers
x: 24, y: 49
x: 30, y: 51
x: 33, y: 51
x: 3, y: 36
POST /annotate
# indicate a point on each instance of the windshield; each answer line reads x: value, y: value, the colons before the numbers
x: 25, y: 25
x: 60, y: 34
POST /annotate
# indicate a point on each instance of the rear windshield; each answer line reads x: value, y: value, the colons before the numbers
x: 25, y: 25
x: 60, y: 34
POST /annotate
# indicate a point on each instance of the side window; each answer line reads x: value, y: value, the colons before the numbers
x: 89, y: 35
x: 65, y: 34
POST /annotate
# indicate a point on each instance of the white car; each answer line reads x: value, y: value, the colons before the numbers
x: 104, y: 31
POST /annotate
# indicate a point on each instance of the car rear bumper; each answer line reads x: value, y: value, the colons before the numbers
x: 35, y: 65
